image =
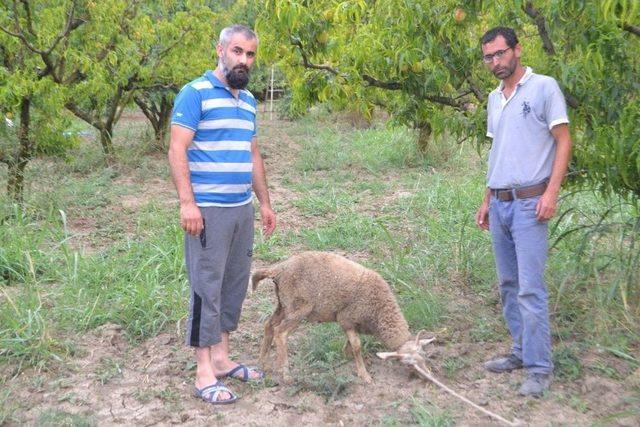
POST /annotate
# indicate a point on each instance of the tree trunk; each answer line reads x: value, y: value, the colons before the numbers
x: 164, y: 117
x: 15, y: 183
x: 18, y: 164
x: 105, y: 140
x: 424, y: 136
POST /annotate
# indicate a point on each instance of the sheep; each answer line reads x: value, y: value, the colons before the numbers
x: 326, y: 287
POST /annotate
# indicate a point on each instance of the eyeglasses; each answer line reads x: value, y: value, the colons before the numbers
x: 488, y: 59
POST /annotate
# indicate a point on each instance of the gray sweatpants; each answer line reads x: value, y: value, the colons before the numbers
x: 218, y: 265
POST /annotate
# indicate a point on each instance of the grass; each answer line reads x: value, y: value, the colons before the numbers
x: 75, y: 258
x: 428, y: 415
x: 567, y: 364
x: 55, y: 417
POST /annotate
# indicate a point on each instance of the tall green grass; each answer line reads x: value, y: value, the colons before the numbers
x: 139, y: 285
x: 417, y: 228
x: 367, y: 192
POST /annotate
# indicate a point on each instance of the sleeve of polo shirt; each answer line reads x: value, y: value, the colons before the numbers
x: 555, y: 105
x: 187, y: 108
x: 489, y: 121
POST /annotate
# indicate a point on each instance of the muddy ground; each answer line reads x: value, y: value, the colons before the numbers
x: 111, y: 382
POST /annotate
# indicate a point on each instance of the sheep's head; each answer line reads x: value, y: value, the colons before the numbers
x: 409, y: 353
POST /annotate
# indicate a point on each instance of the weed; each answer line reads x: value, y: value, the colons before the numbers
x: 606, y: 369
x: 108, y: 369
x: 567, y: 364
x: 145, y: 396
x: 8, y: 408
x: 421, y: 308
x: 55, y: 417
x: 484, y: 329
x: 324, y: 381
x: 452, y: 365
x: 430, y: 415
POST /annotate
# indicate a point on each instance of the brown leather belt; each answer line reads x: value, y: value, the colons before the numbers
x: 507, y: 194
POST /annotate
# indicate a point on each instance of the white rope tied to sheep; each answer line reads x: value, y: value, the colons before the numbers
x: 424, y: 371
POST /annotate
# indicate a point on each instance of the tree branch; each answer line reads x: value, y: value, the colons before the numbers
x: 479, y: 94
x: 27, y: 10
x: 547, y: 44
x: 81, y: 114
x: 444, y: 100
x: 633, y: 29
x: 148, y: 110
x: 534, y: 13
x: 378, y: 83
x: 384, y: 85
x: 307, y: 64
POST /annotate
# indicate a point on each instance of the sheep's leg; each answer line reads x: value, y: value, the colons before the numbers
x: 347, y: 350
x: 356, y: 347
x: 273, y: 321
x: 281, y: 332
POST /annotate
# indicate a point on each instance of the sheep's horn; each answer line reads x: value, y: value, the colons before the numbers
x: 426, y: 341
x: 387, y: 354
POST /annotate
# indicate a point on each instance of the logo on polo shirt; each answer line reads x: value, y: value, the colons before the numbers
x: 526, y: 109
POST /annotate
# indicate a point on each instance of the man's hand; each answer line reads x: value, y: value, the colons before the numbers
x: 482, y: 216
x: 268, y: 217
x: 546, y: 207
x: 191, y: 219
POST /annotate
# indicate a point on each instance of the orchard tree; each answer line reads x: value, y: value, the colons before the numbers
x: 90, y: 57
x: 152, y: 48
x: 33, y: 42
x: 420, y: 60
x: 410, y: 57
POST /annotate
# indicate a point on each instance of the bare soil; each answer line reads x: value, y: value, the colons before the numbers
x: 111, y: 382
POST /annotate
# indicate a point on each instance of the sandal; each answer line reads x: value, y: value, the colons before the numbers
x: 210, y: 394
x: 243, y: 373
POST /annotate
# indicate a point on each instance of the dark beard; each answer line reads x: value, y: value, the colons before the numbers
x: 238, y: 77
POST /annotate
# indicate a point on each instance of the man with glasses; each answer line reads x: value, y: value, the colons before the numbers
x: 531, y: 147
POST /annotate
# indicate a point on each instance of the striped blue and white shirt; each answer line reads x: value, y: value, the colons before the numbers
x: 220, y: 161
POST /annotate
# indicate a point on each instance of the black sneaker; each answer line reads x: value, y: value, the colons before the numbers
x: 503, y: 364
x: 535, y: 385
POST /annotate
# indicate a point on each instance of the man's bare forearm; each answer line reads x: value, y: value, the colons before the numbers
x: 260, y: 187
x: 563, y: 156
x: 179, y: 164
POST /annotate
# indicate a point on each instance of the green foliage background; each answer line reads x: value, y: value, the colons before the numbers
x: 420, y: 60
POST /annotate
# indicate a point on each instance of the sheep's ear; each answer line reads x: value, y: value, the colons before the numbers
x: 388, y: 355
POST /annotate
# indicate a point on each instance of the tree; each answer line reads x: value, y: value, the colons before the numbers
x: 419, y: 59
x: 92, y: 58
x: 147, y: 47
x: 30, y: 55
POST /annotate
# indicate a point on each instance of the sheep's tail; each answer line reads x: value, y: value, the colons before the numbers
x: 265, y: 273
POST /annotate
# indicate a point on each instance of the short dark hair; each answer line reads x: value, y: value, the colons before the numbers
x: 508, y: 33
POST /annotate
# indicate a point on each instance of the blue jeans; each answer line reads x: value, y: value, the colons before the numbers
x: 520, y: 247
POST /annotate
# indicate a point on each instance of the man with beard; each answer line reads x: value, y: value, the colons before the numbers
x: 531, y: 147
x: 215, y: 162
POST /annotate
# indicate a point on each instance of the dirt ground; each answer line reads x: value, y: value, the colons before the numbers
x: 111, y: 382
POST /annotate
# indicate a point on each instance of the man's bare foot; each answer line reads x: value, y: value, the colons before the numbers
x: 205, y: 380
x: 238, y: 371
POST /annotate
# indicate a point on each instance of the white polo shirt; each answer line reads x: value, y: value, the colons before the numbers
x: 523, y: 148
